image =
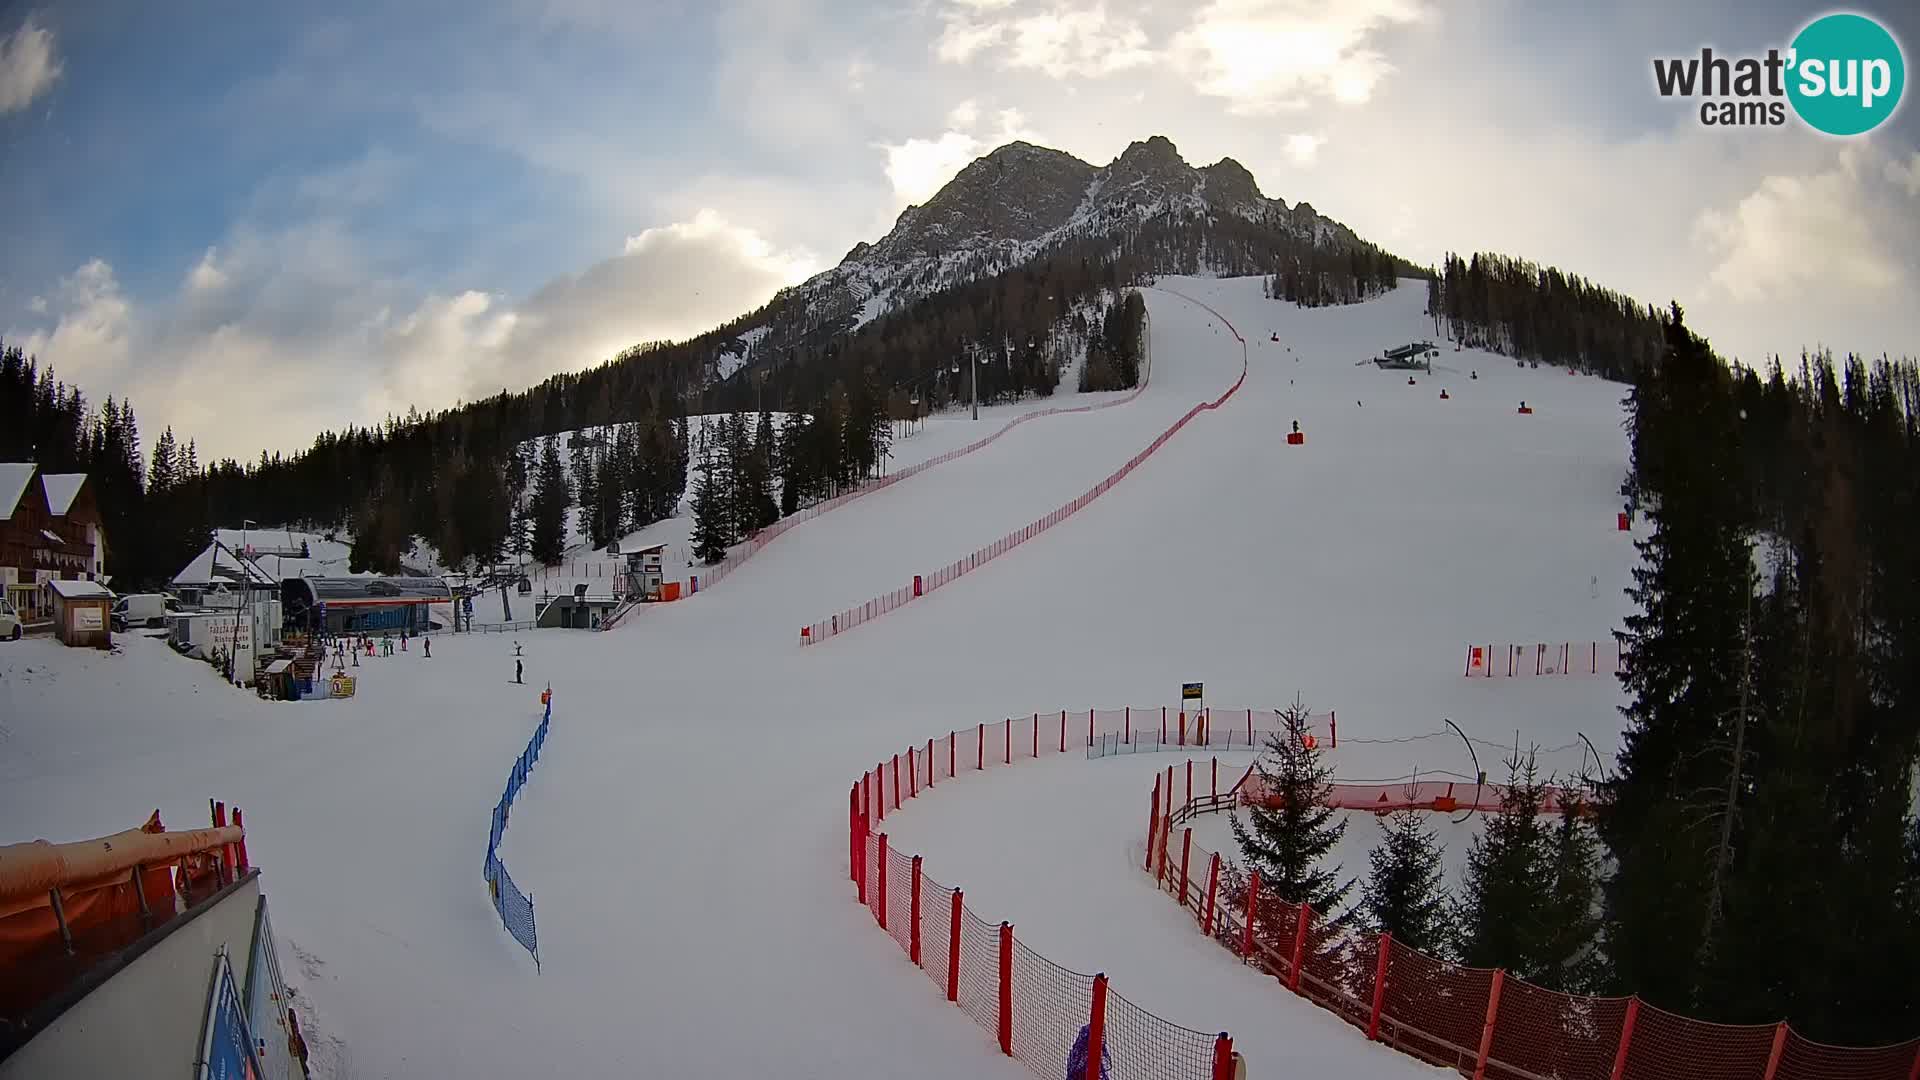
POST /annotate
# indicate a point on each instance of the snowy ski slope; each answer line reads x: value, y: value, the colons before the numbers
x: 683, y: 837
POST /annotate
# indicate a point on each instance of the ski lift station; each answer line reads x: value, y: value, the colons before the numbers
x: 349, y: 605
x: 643, y: 578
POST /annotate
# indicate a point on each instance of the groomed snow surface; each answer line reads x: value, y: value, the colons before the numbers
x: 684, y: 834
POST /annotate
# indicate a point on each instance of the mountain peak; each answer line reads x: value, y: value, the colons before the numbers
x: 1157, y: 150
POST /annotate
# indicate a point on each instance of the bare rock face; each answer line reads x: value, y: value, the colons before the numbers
x: 1020, y: 200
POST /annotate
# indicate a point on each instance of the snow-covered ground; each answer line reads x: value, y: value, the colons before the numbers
x: 684, y: 833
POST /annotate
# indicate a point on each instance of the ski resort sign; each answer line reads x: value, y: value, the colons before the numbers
x: 1843, y: 74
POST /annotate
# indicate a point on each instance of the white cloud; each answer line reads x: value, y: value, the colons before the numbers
x: 1820, y: 233
x: 28, y: 66
x: 279, y: 334
x: 1267, y: 55
x: 857, y: 71
x: 1302, y: 148
x: 964, y: 116
x: 1906, y: 175
x: 917, y: 168
x: 1063, y: 42
x: 206, y: 275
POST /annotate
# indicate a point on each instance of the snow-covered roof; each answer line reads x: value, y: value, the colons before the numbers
x: 14, y: 478
x: 260, y: 539
x: 79, y: 590
x: 219, y: 563
x: 61, y: 489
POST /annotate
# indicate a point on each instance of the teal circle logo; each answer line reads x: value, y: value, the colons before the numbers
x: 1846, y: 74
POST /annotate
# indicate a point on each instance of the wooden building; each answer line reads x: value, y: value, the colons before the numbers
x: 80, y: 613
x: 49, y: 530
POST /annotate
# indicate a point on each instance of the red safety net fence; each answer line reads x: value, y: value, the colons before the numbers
x: 1035, y: 1009
x: 1482, y: 1022
x: 923, y: 584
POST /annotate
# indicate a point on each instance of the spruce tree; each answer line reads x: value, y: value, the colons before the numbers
x: 710, y: 525
x: 1498, y: 916
x: 551, y: 498
x: 1404, y: 895
x: 1288, y: 834
x: 1567, y: 957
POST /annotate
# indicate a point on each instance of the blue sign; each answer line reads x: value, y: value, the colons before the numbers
x: 227, y: 1051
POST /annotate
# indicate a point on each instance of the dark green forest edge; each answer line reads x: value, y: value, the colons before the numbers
x: 1753, y: 853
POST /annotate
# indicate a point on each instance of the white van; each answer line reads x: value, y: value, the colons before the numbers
x: 9, y: 622
x: 142, y: 610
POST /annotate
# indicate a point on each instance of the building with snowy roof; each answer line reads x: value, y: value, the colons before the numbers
x: 359, y: 605
x: 49, y: 530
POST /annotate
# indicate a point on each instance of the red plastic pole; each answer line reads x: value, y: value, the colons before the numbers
x: 1183, y: 727
x: 913, y: 776
x: 1166, y: 830
x: 1493, y: 1014
x: 896, y: 781
x: 883, y: 881
x: 1089, y: 727
x: 1127, y: 731
x: 1097, y: 1027
x: 1626, y: 1040
x: 913, y: 927
x: 1009, y: 741
x: 1253, y: 913
x: 1213, y: 891
x: 1773, y: 1059
x: 240, y: 845
x: 1186, y: 855
x: 1153, y: 822
x: 953, y: 949
x: 980, y: 750
x: 1379, y: 986
x: 1189, y: 801
x: 1222, y: 1057
x: 1214, y: 788
x: 853, y: 834
x: 1299, y: 947
x: 880, y: 782
x: 933, y: 767
x: 1036, y: 735
x: 1163, y: 725
x: 1915, y: 1074
x: 1333, y: 726
x: 953, y: 737
x: 1249, y: 729
x: 1006, y: 989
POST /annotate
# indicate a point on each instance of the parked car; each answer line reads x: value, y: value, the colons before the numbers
x: 9, y: 621
x: 143, y: 610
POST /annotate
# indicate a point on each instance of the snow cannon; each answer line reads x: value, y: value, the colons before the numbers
x: 1296, y: 437
x: 1626, y: 523
x: 1410, y: 381
x: 1274, y: 337
x: 1444, y: 395
x: 1525, y: 409
x: 1475, y: 375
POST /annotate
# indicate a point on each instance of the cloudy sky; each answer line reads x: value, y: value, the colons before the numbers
x: 259, y: 222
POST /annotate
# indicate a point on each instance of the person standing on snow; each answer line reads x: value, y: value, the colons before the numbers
x: 426, y: 648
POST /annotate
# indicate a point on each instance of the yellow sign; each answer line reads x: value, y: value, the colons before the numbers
x: 1190, y: 691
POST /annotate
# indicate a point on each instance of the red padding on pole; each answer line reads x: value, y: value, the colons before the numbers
x: 1493, y: 1015
x: 1063, y: 731
x: 1626, y: 1041
x: 1186, y: 856
x: 953, y: 949
x: 1006, y: 989
x: 882, y: 864
x: 1223, y: 1058
x: 1153, y: 822
x: 1097, y: 1028
x: 1773, y: 1059
x: 913, y: 928
x: 913, y: 776
x: 1213, y: 891
x: 953, y: 737
x: 1379, y: 986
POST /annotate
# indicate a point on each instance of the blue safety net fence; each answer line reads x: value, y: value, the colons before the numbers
x: 515, y: 907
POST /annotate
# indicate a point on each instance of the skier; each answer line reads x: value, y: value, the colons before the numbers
x: 1077, y: 1057
x: 426, y: 648
x: 517, y: 670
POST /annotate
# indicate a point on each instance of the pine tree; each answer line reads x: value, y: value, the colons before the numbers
x: 757, y: 509
x: 551, y: 498
x: 710, y: 535
x: 1570, y: 916
x: 1498, y: 916
x: 1290, y: 832
x: 1404, y: 895
x: 165, y: 471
